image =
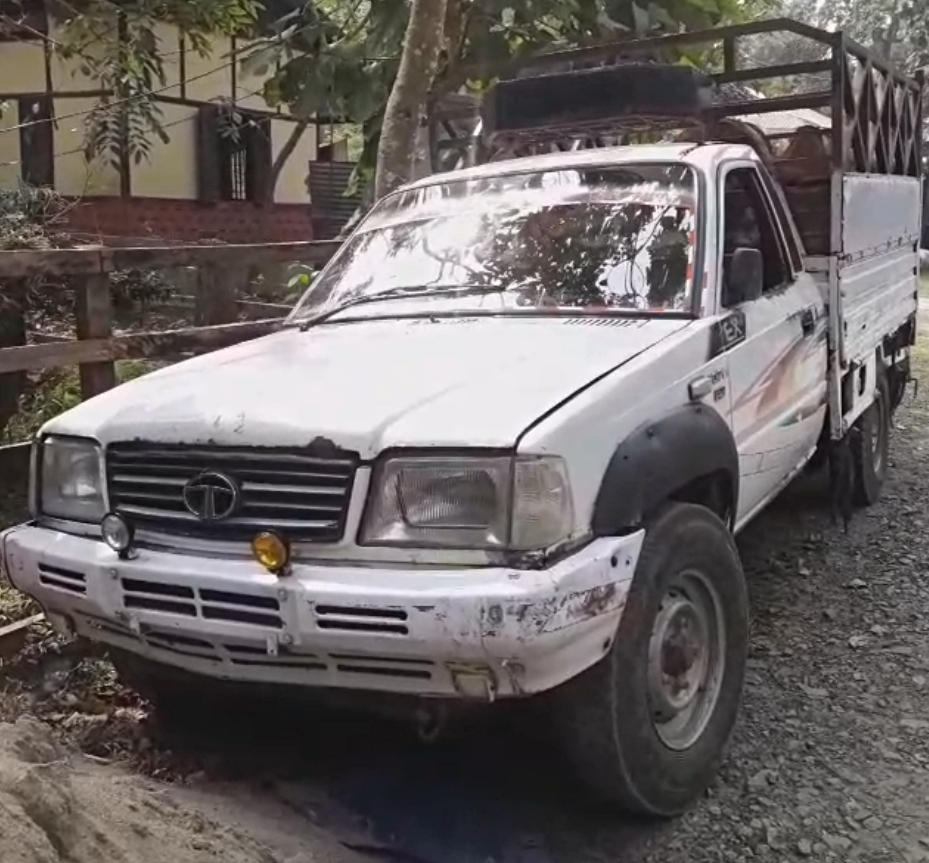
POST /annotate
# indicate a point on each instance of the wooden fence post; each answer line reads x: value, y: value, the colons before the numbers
x: 95, y: 321
x: 216, y: 296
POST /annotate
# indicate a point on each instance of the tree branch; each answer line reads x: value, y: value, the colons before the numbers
x: 287, y: 151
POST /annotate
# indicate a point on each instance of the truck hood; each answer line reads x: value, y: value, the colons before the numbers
x: 371, y: 385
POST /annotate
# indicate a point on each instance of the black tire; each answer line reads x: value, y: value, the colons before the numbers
x: 606, y: 715
x: 870, y: 443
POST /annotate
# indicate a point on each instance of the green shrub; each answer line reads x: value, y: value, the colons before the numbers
x: 60, y: 391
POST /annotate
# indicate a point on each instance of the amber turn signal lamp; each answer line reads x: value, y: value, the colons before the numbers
x: 272, y: 551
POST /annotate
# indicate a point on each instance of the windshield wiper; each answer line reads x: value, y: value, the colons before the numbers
x: 401, y: 294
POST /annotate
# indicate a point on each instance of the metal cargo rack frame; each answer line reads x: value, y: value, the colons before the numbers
x: 875, y: 110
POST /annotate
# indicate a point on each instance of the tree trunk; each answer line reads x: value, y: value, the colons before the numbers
x: 421, y: 47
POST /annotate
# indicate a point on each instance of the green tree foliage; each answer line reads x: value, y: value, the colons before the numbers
x: 335, y: 58
x: 115, y: 42
x: 340, y: 57
x: 897, y: 30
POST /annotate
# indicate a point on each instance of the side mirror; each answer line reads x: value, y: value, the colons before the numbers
x: 745, y: 280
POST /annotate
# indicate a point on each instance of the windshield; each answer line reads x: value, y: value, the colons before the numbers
x: 594, y: 238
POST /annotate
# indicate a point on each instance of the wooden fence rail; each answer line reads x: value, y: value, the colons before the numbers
x: 92, y: 260
x: 135, y: 346
x: 220, y: 269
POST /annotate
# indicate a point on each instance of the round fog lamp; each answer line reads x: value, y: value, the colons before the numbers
x: 272, y: 551
x: 117, y: 532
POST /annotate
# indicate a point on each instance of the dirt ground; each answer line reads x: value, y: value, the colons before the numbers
x: 830, y: 759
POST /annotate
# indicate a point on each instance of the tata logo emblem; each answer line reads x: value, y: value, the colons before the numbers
x: 212, y: 496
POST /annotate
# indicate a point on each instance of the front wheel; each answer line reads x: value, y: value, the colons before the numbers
x: 647, y: 726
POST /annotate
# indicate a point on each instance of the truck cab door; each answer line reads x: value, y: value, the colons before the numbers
x: 777, y: 365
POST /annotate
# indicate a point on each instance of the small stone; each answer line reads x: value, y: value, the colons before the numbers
x: 919, y: 681
x: 853, y: 808
x: 913, y: 724
x: 761, y: 780
x: 819, y: 848
x: 879, y: 630
x: 804, y: 848
x: 814, y: 692
x: 830, y: 614
x: 839, y: 844
x: 857, y: 641
x: 873, y: 823
x: 857, y: 584
x: 887, y: 753
x: 714, y: 810
x: 773, y: 838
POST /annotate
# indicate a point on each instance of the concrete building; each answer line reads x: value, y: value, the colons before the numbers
x: 200, y: 184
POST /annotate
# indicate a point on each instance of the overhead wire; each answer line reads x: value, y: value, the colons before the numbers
x: 113, y: 104
x: 235, y: 52
x: 138, y: 95
x: 83, y: 149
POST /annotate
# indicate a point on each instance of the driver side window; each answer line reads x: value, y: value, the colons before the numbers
x: 748, y: 224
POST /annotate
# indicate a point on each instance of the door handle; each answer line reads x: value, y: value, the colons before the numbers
x: 699, y: 388
x: 808, y: 320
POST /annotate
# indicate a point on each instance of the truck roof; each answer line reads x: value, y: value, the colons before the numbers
x: 673, y: 152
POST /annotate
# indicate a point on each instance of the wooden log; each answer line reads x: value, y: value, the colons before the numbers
x: 264, y: 310
x: 310, y: 251
x: 47, y: 339
x: 31, y: 262
x: 95, y: 321
x: 257, y: 308
x: 134, y: 346
x: 215, y: 301
x: 13, y: 635
x: 88, y: 260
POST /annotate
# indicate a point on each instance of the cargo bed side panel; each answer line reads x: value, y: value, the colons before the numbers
x: 877, y: 270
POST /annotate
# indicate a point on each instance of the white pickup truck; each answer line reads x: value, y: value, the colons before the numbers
x: 502, y: 445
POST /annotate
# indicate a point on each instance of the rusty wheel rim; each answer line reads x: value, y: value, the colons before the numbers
x: 686, y: 660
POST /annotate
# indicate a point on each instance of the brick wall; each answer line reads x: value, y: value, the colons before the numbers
x: 189, y: 221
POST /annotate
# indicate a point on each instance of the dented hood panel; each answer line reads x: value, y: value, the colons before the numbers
x: 371, y: 385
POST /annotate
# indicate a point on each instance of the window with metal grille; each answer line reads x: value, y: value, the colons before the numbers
x: 234, y: 160
x: 234, y: 184
x: 36, y: 141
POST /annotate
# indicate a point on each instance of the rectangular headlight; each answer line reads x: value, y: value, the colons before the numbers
x: 71, y: 479
x: 468, y: 502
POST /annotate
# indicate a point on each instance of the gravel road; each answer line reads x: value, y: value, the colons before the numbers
x: 830, y: 760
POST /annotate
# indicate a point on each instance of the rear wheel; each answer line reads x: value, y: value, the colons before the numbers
x: 647, y: 726
x: 870, y: 443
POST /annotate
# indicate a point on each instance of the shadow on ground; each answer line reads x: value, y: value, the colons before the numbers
x: 494, y: 790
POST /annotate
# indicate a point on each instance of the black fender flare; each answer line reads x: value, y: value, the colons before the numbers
x: 659, y: 458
